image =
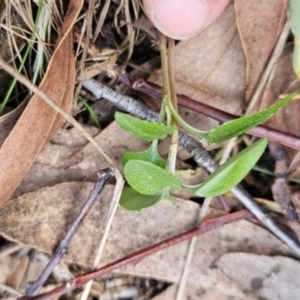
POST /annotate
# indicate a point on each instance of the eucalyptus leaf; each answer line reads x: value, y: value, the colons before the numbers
x: 149, y: 179
x: 150, y: 155
x: 238, y: 126
x: 132, y: 200
x: 232, y: 172
x: 143, y: 129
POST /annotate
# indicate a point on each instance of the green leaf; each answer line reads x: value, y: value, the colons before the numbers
x: 150, y: 155
x: 91, y: 112
x: 238, y: 126
x: 149, y: 179
x: 294, y: 18
x: 143, y: 129
x: 232, y: 172
x: 132, y: 200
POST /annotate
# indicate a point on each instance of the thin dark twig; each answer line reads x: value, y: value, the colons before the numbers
x: 103, y: 177
x: 155, y: 91
x: 197, y: 150
x: 206, y: 226
x: 280, y: 190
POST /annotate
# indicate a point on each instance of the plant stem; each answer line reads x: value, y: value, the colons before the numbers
x: 103, y: 177
x: 200, y: 155
x: 169, y: 96
x: 204, y: 159
x: 206, y: 226
x: 274, y: 135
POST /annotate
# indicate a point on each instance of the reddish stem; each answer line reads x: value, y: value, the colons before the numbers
x: 155, y: 91
x: 80, y: 280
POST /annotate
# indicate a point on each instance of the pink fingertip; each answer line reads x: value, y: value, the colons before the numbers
x: 183, y: 19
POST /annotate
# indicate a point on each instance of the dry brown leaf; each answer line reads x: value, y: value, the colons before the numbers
x: 41, y: 218
x: 84, y: 164
x: 260, y: 24
x: 168, y: 293
x: 211, y: 68
x: 5, y: 268
x: 205, y: 281
x: 270, y: 278
x: 63, y: 145
x: 38, y: 122
x: 8, y: 121
x: 15, y: 279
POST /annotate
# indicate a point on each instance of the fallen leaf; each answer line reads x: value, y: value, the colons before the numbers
x: 168, y: 293
x: 260, y: 24
x: 63, y: 145
x: 41, y: 218
x: 205, y: 281
x: 8, y: 121
x: 5, y: 268
x: 38, y: 121
x: 270, y: 278
x: 15, y: 278
x: 82, y: 165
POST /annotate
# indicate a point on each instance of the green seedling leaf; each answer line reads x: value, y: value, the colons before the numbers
x: 143, y: 129
x: 149, y: 179
x: 91, y: 112
x: 232, y: 172
x: 150, y: 155
x: 238, y: 126
x: 294, y: 18
x: 132, y: 200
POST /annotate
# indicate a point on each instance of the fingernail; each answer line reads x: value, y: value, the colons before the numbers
x: 178, y: 19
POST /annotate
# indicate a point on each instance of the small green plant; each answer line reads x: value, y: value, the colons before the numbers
x: 149, y: 180
x: 91, y: 112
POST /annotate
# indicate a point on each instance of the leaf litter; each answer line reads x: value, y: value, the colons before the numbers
x: 40, y: 213
x: 38, y: 121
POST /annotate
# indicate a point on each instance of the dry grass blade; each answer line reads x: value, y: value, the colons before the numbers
x: 38, y: 122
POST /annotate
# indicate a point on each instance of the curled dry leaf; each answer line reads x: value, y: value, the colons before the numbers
x: 260, y: 24
x: 39, y: 121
